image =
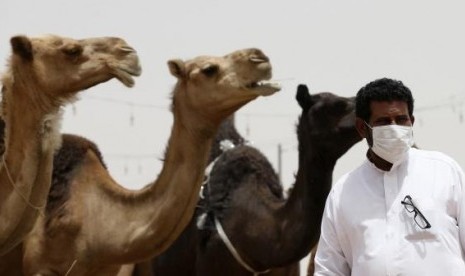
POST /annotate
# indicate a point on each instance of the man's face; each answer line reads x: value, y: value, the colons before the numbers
x: 384, y: 113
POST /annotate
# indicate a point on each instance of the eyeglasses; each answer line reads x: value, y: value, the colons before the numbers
x: 419, y: 218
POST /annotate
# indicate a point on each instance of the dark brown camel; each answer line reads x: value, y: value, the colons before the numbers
x: 244, y: 194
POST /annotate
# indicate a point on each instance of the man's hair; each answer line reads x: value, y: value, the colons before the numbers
x: 382, y: 90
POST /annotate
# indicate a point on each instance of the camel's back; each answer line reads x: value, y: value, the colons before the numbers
x: 243, y: 167
x: 236, y: 164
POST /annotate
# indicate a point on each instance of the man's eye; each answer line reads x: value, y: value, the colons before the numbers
x: 402, y: 121
x: 382, y: 122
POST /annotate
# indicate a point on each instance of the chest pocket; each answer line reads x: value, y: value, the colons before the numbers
x: 443, y: 226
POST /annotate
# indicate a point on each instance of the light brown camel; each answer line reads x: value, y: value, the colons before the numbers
x: 93, y: 225
x: 43, y: 74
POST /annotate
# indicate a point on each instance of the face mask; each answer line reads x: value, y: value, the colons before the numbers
x: 391, y: 142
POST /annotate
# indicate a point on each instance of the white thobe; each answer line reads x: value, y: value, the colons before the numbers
x: 366, y: 231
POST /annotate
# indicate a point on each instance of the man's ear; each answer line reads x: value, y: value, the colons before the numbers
x: 22, y: 47
x: 412, y: 119
x: 361, y: 127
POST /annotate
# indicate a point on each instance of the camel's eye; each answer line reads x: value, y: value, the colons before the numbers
x: 210, y: 70
x: 72, y: 50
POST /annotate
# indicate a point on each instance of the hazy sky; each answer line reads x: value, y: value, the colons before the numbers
x: 335, y: 46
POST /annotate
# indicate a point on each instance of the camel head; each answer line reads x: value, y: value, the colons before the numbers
x: 62, y: 66
x: 327, y: 121
x: 216, y: 87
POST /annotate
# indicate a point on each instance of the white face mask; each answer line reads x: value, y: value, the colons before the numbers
x: 391, y: 142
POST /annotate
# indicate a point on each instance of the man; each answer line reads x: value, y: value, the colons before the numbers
x: 402, y: 212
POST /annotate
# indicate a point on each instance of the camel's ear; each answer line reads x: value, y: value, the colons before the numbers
x: 22, y: 47
x: 177, y: 68
x: 303, y: 97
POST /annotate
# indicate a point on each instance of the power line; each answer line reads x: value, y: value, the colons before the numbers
x: 128, y: 103
x: 450, y: 102
x: 131, y: 156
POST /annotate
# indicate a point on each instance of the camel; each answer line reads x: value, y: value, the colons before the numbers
x: 244, y: 197
x: 93, y: 225
x: 43, y: 74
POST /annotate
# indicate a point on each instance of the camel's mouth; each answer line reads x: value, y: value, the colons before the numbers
x: 264, y: 88
x: 125, y: 74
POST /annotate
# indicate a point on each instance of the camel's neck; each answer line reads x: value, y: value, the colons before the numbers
x: 20, y: 184
x: 313, y: 181
x: 303, y: 211
x: 157, y: 215
x: 183, y: 169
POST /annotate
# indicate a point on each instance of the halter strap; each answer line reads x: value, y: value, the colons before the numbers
x: 233, y: 251
x: 37, y: 208
x: 225, y: 145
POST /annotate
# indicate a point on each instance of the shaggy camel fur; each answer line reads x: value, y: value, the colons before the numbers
x: 269, y: 232
x: 95, y: 225
x: 45, y: 73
